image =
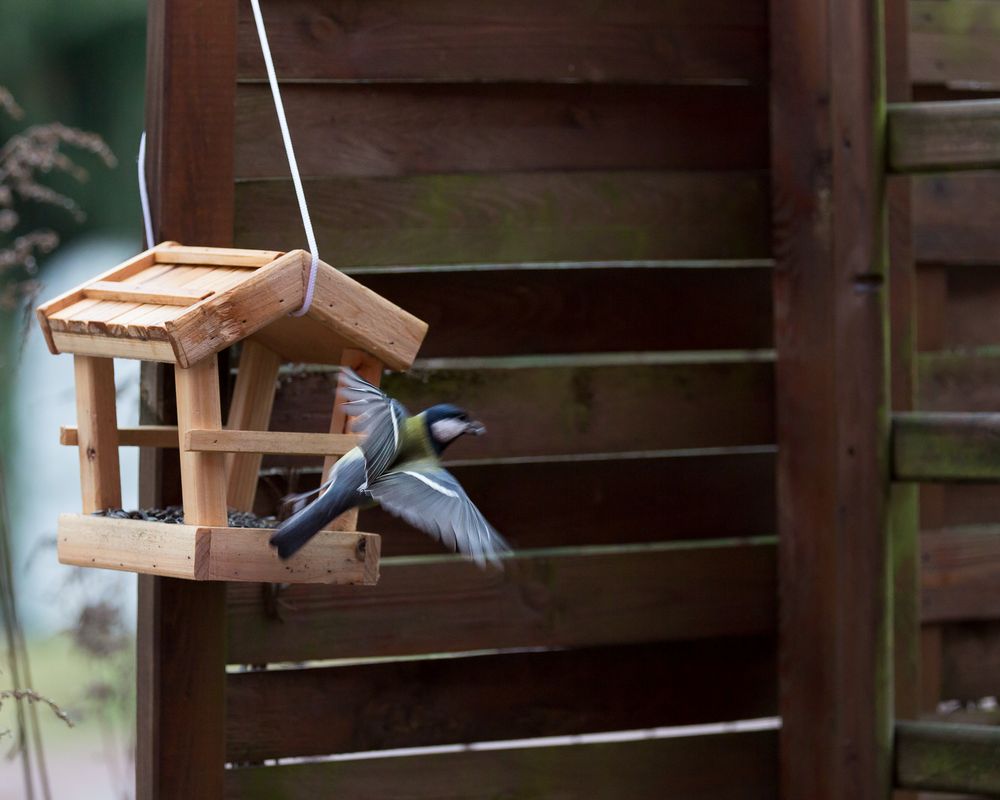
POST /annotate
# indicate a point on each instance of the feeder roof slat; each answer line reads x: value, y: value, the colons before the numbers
x: 183, y: 304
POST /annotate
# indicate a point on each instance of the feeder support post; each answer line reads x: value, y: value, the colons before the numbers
x: 203, y: 475
x: 97, y: 423
x: 250, y: 410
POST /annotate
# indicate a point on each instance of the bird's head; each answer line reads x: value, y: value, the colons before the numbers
x: 445, y: 423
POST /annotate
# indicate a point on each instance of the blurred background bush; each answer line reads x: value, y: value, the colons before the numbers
x: 80, y: 64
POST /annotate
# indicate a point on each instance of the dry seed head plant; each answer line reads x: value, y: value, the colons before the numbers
x: 27, y: 158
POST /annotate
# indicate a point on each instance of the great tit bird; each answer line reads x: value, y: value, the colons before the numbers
x: 397, y: 466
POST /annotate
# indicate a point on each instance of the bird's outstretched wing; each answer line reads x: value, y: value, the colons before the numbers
x: 431, y: 499
x: 377, y: 417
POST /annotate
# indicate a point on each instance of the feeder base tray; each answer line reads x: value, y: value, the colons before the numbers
x: 201, y: 553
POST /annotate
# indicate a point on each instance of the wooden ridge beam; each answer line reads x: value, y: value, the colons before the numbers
x: 943, y: 757
x: 939, y: 446
x: 944, y: 136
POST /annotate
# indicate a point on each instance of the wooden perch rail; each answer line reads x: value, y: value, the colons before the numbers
x: 943, y: 757
x: 944, y: 136
x: 139, y: 436
x: 301, y: 444
x: 945, y: 447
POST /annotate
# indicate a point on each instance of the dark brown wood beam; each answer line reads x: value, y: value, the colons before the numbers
x: 945, y: 757
x: 944, y: 137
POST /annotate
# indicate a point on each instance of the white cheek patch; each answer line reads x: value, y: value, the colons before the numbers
x: 444, y: 430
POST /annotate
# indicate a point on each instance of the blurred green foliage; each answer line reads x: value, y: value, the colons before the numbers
x: 83, y: 64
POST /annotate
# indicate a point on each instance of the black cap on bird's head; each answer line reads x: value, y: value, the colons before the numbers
x: 445, y: 423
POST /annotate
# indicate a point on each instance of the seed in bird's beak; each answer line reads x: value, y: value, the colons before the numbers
x: 475, y: 428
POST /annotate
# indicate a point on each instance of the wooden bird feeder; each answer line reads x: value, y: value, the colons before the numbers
x: 182, y: 305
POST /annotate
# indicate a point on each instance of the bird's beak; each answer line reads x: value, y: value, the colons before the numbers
x: 475, y: 428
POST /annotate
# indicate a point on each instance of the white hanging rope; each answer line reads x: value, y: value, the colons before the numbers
x: 147, y: 217
x: 292, y: 165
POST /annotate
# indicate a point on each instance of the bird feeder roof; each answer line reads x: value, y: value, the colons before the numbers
x: 182, y: 304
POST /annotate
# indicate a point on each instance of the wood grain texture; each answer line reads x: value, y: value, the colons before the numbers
x: 948, y: 757
x: 958, y: 381
x: 742, y: 768
x: 469, y: 699
x: 945, y: 446
x: 132, y: 293
x: 555, y: 216
x: 174, y: 253
x: 97, y: 426
x: 571, y: 406
x: 944, y: 137
x: 384, y: 130
x: 960, y: 574
x: 239, y: 441
x: 954, y: 218
x: 107, y: 347
x: 969, y: 660
x: 578, y: 308
x: 955, y: 42
x: 141, y: 436
x: 542, y: 599
x: 568, y: 40
x: 249, y: 410
x: 830, y: 325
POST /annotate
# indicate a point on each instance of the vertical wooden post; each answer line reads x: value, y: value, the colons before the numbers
x: 190, y: 120
x: 97, y: 422
x: 369, y: 368
x: 828, y: 116
x: 250, y: 410
x: 203, y: 475
x: 904, y: 505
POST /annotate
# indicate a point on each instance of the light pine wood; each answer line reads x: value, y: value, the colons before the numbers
x: 107, y: 347
x: 97, y: 425
x: 141, y: 436
x: 334, y: 557
x: 198, y: 552
x: 279, y: 442
x: 158, y: 548
x: 250, y: 410
x: 216, y: 256
x: 203, y: 475
x: 129, y: 268
x: 269, y: 293
x: 369, y: 368
x: 133, y: 293
x: 367, y: 320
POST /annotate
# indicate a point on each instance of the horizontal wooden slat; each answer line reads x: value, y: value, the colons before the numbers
x: 609, y: 501
x: 561, y: 598
x: 961, y: 574
x: 173, y: 253
x: 955, y: 42
x: 945, y: 446
x: 734, y: 766
x: 141, y: 436
x: 108, y: 347
x: 369, y: 130
x: 954, y: 218
x: 443, y: 701
x: 970, y: 660
x: 565, y: 406
x: 577, y: 308
x: 946, y: 757
x: 234, y: 441
x: 959, y: 381
x: 555, y: 216
x: 134, y: 293
x: 583, y: 500
x: 566, y: 40
x: 943, y: 137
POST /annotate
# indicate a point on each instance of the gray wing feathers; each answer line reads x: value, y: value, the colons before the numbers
x: 431, y: 499
x: 376, y: 416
